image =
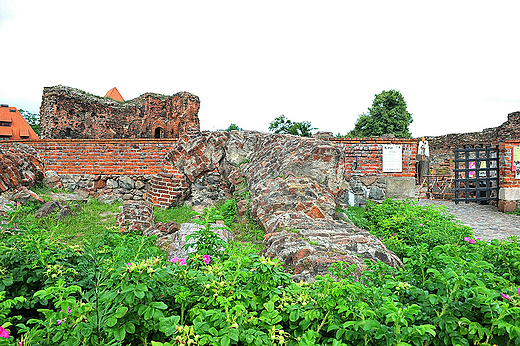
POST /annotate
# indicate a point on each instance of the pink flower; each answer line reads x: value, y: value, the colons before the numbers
x: 472, y: 241
x: 467, y: 238
x: 4, y: 333
x: 21, y: 343
x: 182, y: 261
x: 518, y: 290
x: 422, y: 225
x: 394, y: 234
x: 206, y: 259
x: 505, y: 296
x: 174, y: 259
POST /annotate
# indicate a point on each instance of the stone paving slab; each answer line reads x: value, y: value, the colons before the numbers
x: 485, y: 220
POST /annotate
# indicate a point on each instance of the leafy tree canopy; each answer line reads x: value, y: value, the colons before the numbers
x: 388, y: 115
x: 233, y: 127
x: 282, y: 125
x: 32, y: 119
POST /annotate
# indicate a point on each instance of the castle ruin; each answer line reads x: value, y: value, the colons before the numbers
x: 72, y: 113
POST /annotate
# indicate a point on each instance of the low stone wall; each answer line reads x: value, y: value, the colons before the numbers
x: 126, y: 187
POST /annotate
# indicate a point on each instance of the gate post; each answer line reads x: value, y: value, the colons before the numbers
x: 509, y: 193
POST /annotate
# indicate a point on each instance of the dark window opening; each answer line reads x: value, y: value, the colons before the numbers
x: 12, y: 110
x: 5, y: 123
x: 68, y: 131
x: 159, y: 132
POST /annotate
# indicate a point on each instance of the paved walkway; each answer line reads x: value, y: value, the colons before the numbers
x: 485, y: 220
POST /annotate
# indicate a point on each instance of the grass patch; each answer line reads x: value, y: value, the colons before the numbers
x: 90, y: 219
x: 180, y: 214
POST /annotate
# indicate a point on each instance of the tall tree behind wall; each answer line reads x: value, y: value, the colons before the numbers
x: 388, y: 115
x: 282, y: 125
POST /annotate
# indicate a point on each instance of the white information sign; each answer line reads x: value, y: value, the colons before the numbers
x: 392, y: 158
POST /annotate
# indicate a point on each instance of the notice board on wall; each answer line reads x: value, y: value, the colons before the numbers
x: 392, y: 158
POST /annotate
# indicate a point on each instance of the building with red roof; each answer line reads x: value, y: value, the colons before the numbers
x: 13, y: 125
x: 114, y: 95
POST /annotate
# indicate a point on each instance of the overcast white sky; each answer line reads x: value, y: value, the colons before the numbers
x: 457, y: 63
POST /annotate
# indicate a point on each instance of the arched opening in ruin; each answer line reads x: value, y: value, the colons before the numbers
x: 159, y: 132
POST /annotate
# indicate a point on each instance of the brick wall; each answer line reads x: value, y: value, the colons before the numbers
x: 145, y: 157
x: 506, y: 175
x: 441, y: 147
x: 369, y: 154
x: 102, y: 156
x: 167, y: 186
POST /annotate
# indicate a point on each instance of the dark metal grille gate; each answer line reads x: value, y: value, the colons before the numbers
x: 476, y: 175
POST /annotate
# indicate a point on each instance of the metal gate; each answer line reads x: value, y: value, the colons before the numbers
x: 476, y: 175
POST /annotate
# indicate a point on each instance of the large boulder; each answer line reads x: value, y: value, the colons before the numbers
x: 313, y: 245
x: 293, y: 185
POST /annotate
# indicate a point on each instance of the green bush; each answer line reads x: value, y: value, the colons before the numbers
x: 402, y: 223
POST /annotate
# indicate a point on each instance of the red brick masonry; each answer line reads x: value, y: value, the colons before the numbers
x: 102, y: 156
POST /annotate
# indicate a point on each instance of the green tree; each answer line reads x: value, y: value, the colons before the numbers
x: 32, y: 119
x: 233, y: 127
x: 282, y: 125
x: 388, y: 115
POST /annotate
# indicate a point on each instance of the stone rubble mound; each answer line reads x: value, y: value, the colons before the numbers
x: 20, y: 165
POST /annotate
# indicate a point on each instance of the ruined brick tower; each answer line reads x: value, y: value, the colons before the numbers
x: 72, y: 113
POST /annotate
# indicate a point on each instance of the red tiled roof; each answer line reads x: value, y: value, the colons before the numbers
x: 114, y: 94
x: 6, y: 131
x: 24, y: 133
x: 5, y: 117
x: 19, y: 128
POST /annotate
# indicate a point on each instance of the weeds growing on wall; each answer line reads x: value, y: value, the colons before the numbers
x: 119, y: 290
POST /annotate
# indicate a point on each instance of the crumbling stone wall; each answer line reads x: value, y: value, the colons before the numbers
x: 441, y: 147
x: 72, y: 113
x: 361, y: 163
x: 293, y: 185
x: 20, y: 166
x: 120, y: 167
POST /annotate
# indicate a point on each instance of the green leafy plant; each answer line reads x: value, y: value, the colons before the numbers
x: 119, y: 289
